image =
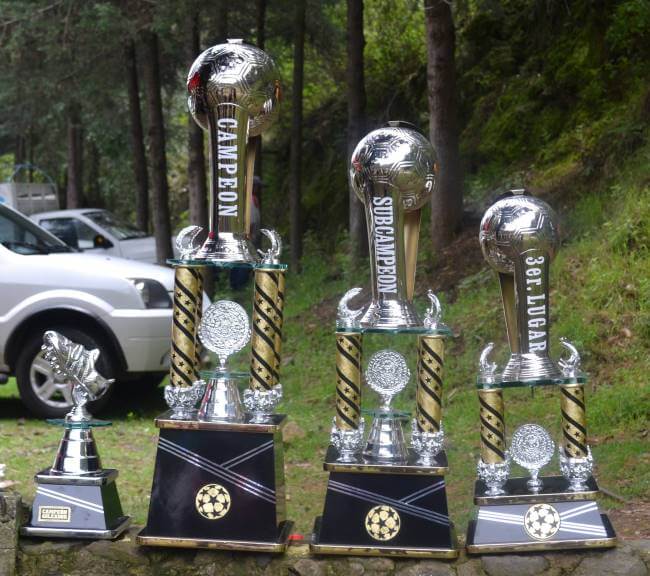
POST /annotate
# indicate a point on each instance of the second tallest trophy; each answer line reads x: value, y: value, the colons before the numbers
x: 385, y: 497
x: 219, y: 475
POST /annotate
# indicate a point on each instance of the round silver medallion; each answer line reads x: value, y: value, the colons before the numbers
x: 531, y: 446
x: 224, y: 328
x: 387, y: 374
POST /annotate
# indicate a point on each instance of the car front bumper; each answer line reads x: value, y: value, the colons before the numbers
x: 144, y: 336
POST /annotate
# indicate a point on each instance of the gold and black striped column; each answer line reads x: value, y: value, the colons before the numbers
x: 431, y: 357
x: 198, y: 348
x: 278, y: 334
x: 493, y: 429
x: 349, y: 348
x: 574, y: 420
x: 183, y: 354
x: 266, y: 321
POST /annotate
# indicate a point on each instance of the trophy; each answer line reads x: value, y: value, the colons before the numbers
x: 387, y: 496
x: 234, y: 91
x: 76, y: 497
x: 219, y: 474
x: 519, y: 237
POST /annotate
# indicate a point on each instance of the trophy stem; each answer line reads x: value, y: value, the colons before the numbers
x: 493, y: 429
x: 187, y: 303
x: 532, y: 361
x: 77, y: 454
x: 349, y: 351
x: 229, y: 220
x: 411, y: 240
x: 574, y: 420
x: 391, y: 306
x: 507, y: 284
x: 431, y: 354
x: 267, y: 329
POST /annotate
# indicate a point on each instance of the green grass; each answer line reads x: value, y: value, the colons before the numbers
x: 600, y: 300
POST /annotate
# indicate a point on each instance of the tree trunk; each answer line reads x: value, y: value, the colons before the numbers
x: 74, y: 190
x: 356, y: 120
x: 157, y: 155
x: 447, y: 199
x: 19, y: 150
x: 137, y: 140
x: 295, y: 171
x: 196, y: 178
x: 92, y: 183
x: 222, y: 21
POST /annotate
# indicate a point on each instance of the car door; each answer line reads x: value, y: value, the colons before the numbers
x: 77, y: 234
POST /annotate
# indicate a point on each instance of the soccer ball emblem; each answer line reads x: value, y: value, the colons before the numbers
x: 541, y: 521
x: 383, y: 523
x: 213, y: 501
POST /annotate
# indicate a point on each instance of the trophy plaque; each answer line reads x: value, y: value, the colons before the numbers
x: 219, y: 474
x: 76, y: 497
x: 519, y: 236
x: 387, y: 497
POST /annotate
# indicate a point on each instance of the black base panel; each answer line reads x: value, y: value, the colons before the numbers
x: 317, y: 547
x: 531, y: 527
x: 94, y: 508
x: 244, y: 468
x: 417, y: 515
x: 278, y: 546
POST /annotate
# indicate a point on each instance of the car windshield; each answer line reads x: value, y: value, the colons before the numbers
x: 119, y: 228
x: 22, y: 236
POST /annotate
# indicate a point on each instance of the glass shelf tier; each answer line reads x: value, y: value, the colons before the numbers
x: 230, y: 374
x: 199, y: 263
x: 78, y: 425
x: 419, y: 330
x: 532, y: 383
x: 386, y: 414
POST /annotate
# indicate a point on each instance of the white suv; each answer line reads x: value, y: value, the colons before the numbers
x: 122, y: 307
x: 96, y: 230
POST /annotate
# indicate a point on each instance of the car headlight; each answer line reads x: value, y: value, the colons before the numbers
x: 153, y: 293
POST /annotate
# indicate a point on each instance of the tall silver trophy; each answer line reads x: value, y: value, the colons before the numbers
x: 219, y: 474
x: 519, y: 237
x: 387, y: 495
x: 392, y: 173
x: 76, y: 497
x: 234, y: 94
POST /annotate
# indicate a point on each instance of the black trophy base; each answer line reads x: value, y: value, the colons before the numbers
x: 218, y: 485
x: 278, y: 547
x: 554, y: 519
x: 317, y: 547
x: 386, y: 511
x: 76, y: 507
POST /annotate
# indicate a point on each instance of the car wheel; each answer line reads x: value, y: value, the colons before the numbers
x: 45, y: 393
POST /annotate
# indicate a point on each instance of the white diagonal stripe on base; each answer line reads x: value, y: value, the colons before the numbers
x: 579, y: 510
x: 502, y: 515
x: 401, y: 506
x: 423, y: 492
x: 70, y: 500
x: 235, y: 475
x: 222, y: 473
x: 247, y: 455
x: 501, y: 520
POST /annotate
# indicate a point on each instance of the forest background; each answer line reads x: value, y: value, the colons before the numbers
x: 553, y: 95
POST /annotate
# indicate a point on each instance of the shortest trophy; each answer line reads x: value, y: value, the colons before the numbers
x: 519, y: 236
x: 76, y: 497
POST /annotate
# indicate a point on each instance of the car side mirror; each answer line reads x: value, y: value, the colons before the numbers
x: 100, y: 241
